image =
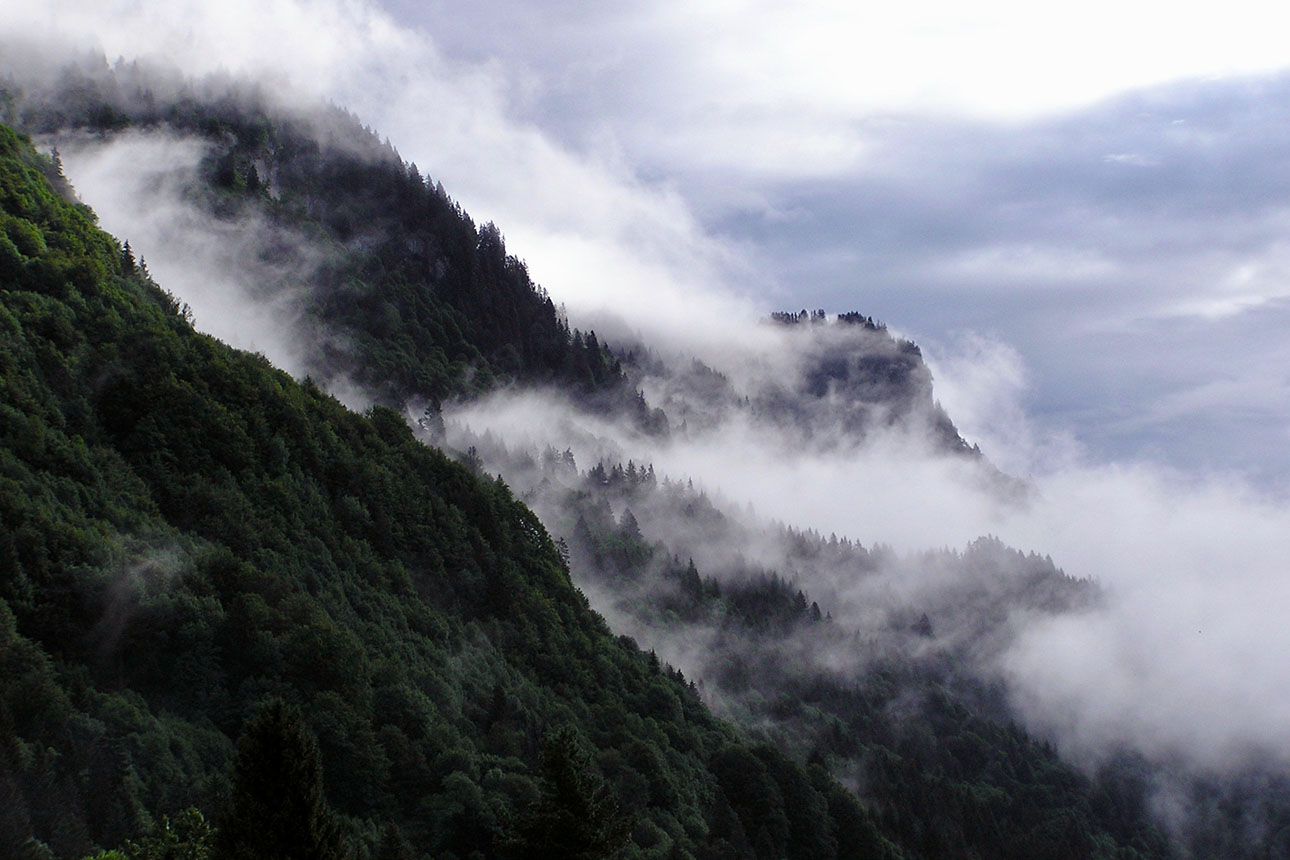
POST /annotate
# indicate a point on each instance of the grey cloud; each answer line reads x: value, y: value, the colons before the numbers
x: 1174, y: 555
x: 1030, y: 233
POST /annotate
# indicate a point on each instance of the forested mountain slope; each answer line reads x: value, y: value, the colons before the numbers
x: 268, y: 543
x: 186, y: 531
x: 403, y: 291
x: 403, y: 294
x: 427, y: 306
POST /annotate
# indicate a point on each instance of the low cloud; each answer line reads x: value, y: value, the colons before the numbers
x: 1181, y: 660
x: 1187, y: 658
x: 241, y: 276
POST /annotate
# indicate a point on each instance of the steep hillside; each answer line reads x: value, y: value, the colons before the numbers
x: 434, y: 580
x: 428, y: 306
x: 404, y: 292
x: 185, y: 532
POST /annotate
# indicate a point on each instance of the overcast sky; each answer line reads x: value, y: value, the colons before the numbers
x: 1093, y: 195
x: 1100, y: 188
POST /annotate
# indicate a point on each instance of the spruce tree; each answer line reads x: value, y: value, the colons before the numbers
x: 577, y: 816
x: 277, y: 810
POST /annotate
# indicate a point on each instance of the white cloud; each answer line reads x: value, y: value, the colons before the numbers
x: 982, y: 383
x: 1185, y: 658
x: 1238, y: 286
x: 137, y: 185
x: 1131, y: 158
x: 790, y: 89
x: 1025, y: 266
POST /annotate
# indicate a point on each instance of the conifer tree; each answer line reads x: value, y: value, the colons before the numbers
x: 277, y: 810
x: 576, y: 818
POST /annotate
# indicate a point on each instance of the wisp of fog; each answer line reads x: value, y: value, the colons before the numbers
x: 225, y: 269
x: 1183, y: 659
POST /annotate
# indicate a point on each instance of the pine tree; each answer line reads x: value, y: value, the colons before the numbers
x: 277, y: 810
x: 576, y: 818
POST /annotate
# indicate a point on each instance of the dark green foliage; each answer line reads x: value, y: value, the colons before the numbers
x: 188, y: 836
x: 575, y: 817
x: 277, y: 810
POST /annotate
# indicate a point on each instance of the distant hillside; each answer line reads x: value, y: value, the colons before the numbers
x: 840, y: 381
